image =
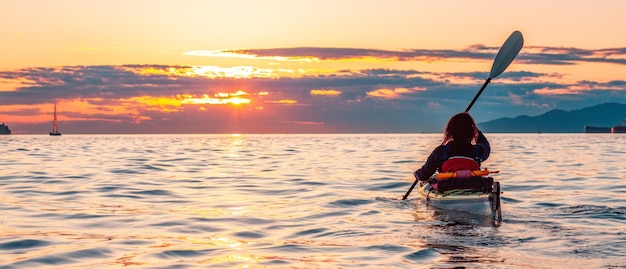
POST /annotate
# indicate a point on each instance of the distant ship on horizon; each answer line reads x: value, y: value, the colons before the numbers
x: 617, y: 129
x: 621, y: 128
x: 4, y: 129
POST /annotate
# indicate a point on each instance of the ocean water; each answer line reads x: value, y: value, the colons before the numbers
x: 302, y: 201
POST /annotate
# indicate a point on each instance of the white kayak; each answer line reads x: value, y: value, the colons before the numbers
x: 484, y: 203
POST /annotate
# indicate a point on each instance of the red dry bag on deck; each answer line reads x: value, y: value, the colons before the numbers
x: 459, y: 163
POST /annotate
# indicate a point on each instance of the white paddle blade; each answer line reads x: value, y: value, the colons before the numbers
x: 507, y: 53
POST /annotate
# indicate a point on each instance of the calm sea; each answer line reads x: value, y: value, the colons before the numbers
x: 302, y: 201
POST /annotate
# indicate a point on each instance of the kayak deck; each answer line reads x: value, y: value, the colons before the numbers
x: 484, y: 203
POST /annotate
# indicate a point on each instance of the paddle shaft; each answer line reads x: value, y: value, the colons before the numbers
x: 477, y: 94
x: 410, y: 189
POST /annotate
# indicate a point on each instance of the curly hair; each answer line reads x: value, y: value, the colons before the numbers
x: 461, y: 129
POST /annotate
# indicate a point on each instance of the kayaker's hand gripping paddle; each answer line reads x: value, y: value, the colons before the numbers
x: 505, y: 56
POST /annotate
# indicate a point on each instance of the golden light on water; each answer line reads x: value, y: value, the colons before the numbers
x: 233, y: 258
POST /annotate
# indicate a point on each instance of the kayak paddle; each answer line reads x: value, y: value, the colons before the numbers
x: 505, y: 56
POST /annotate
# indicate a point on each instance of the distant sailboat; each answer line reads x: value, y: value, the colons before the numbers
x: 55, y: 127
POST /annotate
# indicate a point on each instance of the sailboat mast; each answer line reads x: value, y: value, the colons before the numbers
x: 55, y: 128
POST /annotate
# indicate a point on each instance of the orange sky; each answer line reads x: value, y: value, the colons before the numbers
x: 281, y: 65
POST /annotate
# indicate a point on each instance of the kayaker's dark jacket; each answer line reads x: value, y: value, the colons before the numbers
x: 479, y: 152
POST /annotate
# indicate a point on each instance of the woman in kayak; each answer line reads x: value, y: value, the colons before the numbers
x: 463, y: 144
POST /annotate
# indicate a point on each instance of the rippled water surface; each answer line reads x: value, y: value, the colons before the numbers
x: 302, y: 201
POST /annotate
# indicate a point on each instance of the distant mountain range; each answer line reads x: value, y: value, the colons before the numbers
x: 559, y: 121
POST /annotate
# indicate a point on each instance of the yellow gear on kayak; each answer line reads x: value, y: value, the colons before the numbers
x: 477, y: 173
